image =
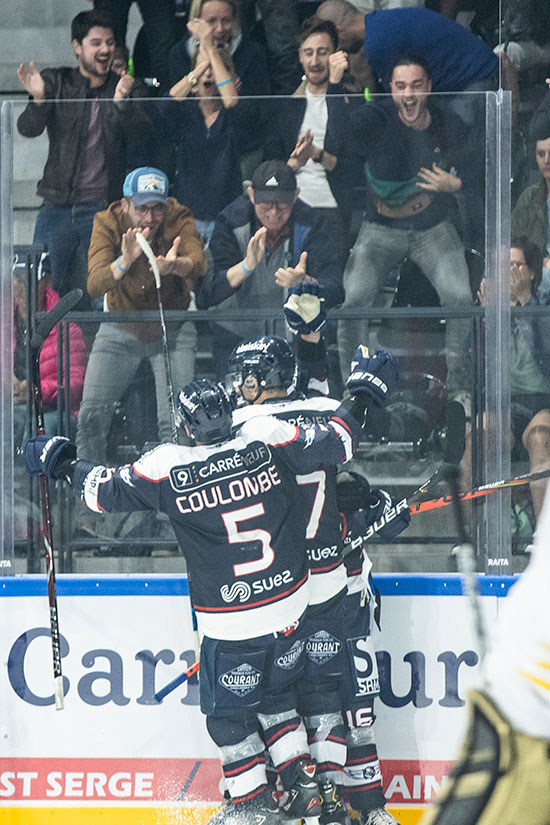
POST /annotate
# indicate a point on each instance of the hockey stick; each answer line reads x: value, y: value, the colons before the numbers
x: 466, y: 562
x: 179, y: 680
x: 149, y: 254
x: 44, y: 328
x: 444, y: 501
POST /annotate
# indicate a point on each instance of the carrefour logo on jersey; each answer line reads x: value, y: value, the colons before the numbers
x: 322, y: 646
x: 241, y: 680
x: 232, y: 464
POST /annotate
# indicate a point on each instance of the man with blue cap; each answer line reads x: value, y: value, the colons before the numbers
x: 120, y: 273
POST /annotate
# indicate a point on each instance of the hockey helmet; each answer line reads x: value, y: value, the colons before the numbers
x: 269, y: 360
x: 204, y: 408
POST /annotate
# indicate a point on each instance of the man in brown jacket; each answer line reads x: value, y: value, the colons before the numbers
x: 120, y: 273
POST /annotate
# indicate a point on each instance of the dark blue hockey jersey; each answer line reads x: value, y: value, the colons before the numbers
x: 323, y: 533
x: 236, y: 511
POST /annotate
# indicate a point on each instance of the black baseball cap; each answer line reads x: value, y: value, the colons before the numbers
x: 274, y: 180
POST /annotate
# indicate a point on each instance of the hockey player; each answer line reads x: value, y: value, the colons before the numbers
x: 502, y: 776
x: 233, y: 504
x: 363, y: 510
x: 263, y: 372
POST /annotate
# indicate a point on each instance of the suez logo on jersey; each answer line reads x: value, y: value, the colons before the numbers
x: 227, y: 466
x: 243, y: 591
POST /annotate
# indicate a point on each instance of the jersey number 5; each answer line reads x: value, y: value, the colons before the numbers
x: 236, y: 536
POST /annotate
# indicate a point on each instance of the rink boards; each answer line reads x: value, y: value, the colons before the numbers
x: 116, y: 755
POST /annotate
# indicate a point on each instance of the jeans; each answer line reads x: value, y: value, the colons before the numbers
x: 159, y: 27
x: 66, y: 230
x: 115, y: 357
x: 438, y: 251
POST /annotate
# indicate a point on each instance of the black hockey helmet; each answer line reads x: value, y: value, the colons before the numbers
x: 205, y: 409
x: 269, y: 360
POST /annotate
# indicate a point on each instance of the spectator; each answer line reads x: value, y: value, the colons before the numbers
x: 367, y: 6
x: 159, y: 29
x: 121, y: 59
x: 85, y: 165
x: 263, y: 243
x: 206, y: 132
x: 251, y: 73
x: 409, y: 146
x: 526, y: 33
x: 280, y: 27
x: 121, y: 274
x: 309, y: 129
x: 457, y: 61
x: 529, y: 369
x: 46, y: 299
x: 530, y: 215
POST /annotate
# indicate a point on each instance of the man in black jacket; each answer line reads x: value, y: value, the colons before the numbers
x: 263, y: 243
x: 309, y: 130
x: 85, y: 166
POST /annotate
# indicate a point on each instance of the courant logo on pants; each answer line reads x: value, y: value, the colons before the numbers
x: 290, y: 659
x: 321, y: 647
x: 241, y: 680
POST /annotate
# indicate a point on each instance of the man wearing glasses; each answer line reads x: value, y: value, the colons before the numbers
x: 263, y: 243
x: 120, y: 273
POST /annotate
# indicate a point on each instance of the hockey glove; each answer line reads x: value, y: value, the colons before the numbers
x: 352, y: 492
x: 372, y: 377
x: 49, y: 455
x: 382, y: 507
x: 305, y: 308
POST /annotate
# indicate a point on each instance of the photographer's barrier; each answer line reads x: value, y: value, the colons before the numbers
x: 116, y: 755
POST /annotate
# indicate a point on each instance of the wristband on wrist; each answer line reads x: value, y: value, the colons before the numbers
x: 123, y: 269
x: 245, y: 270
x: 224, y: 82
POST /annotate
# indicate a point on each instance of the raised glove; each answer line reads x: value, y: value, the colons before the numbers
x: 48, y: 454
x: 384, y: 507
x: 373, y: 377
x: 305, y: 308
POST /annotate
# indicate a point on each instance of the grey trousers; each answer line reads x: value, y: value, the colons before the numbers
x: 438, y: 251
x: 115, y: 357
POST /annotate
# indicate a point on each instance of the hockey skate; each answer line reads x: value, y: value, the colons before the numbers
x: 262, y: 810
x: 333, y: 809
x: 380, y: 816
x: 304, y: 798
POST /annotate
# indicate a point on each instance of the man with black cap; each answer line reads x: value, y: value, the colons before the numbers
x: 120, y: 273
x: 265, y: 242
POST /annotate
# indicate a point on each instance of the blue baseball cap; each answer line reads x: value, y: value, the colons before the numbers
x: 145, y: 184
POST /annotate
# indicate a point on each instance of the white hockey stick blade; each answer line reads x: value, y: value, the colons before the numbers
x: 149, y: 254
x: 58, y: 693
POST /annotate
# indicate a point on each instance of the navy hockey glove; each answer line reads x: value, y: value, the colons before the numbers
x: 305, y: 308
x: 372, y: 377
x: 49, y: 455
x: 383, y: 508
x: 352, y: 492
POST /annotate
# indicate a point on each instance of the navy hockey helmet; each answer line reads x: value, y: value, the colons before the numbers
x: 205, y: 409
x: 269, y: 360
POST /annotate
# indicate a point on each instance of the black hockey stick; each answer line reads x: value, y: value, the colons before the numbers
x: 43, y: 329
x: 466, y: 563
